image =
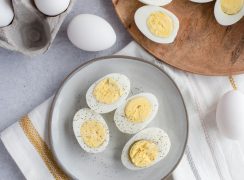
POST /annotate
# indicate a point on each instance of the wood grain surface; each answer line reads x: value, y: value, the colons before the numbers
x: 202, y: 45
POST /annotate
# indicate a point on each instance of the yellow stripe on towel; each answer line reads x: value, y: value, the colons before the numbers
x: 42, y: 148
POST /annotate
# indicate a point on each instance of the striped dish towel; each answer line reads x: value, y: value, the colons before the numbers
x: 208, y: 155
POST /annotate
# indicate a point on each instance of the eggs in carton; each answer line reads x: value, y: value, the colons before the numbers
x: 31, y: 32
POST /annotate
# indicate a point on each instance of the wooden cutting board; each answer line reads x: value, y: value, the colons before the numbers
x: 202, y: 45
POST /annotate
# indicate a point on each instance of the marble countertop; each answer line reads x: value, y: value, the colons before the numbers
x: 26, y: 82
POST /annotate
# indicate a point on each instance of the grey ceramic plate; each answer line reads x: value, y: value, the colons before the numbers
x: 145, y: 77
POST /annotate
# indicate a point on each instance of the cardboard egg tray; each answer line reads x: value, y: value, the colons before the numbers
x: 31, y: 32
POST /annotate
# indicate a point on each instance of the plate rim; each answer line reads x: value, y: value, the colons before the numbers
x: 83, y: 65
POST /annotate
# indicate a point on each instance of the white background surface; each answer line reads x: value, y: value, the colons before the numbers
x: 26, y: 82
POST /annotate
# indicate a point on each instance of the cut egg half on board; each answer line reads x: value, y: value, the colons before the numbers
x: 155, y: 143
x: 157, y: 24
x: 91, y: 130
x: 228, y: 12
x: 201, y: 1
x: 156, y: 2
x: 136, y: 113
x: 107, y: 93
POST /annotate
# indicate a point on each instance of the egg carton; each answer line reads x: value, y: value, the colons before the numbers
x: 31, y: 32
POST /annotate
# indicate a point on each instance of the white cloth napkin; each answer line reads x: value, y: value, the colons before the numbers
x: 208, y: 155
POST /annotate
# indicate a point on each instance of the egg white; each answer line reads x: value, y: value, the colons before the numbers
x: 141, y: 17
x: 226, y: 19
x: 126, y: 126
x: 156, y: 135
x: 156, y: 2
x: 99, y: 107
x: 81, y: 117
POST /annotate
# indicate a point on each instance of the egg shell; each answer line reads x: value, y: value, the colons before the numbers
x: 230, y: 115
x: 7, y: 13
x: 129, y: 127
x: 52, y: 7
x: 156, y: 135
x: 156, y: 2
x: 82, y: 116
x: 201, y: 1
x: 144, y: 12
x: 122, y: 80
x: 91, y: 33
x: 226, y: 19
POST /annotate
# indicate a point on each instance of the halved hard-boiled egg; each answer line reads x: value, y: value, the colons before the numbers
x: 91, y: 130
x: 201, y: 1
x: 106, y: 94
x: 136, y: 113
x: 157, y: 24
x: 228, y: 12
x: 156, y: 2
x: 145, y: 149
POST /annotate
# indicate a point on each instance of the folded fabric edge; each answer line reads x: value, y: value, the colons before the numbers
x: 5, y: 136
x: 31, y: 145
x: 23, y: 153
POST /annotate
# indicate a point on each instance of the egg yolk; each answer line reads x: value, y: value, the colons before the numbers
x: 138, y: 109
x: 93, y: 133
x: 107, y: 91
x: 160, y: 24
x: 143, y: 153
x: 231, y: 6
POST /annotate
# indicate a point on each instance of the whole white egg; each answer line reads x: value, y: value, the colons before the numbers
x: 230, y: 114
x: 91, y: 33
x: 52, y: 7
x: 7, y: 13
